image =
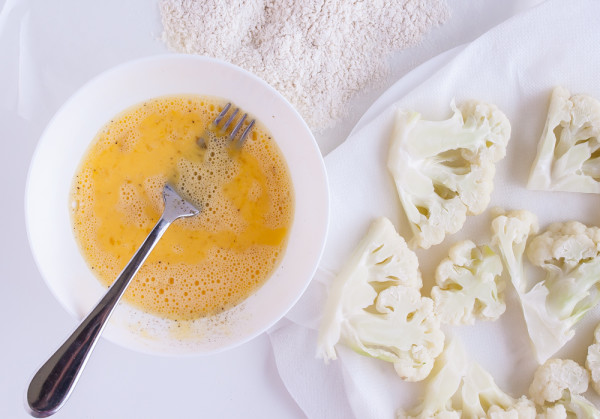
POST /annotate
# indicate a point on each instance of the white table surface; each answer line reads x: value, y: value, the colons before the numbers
x: 73, y: 41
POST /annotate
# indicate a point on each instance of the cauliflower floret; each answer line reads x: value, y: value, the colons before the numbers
x: 553, y: 412
x: 460, y: 389
x: 522, y: 409
x: 444, y: 170
x: 560, y: 382
x: 443, y: 383
x: 570, y: 254
x: 375, y: 306
x: 510, y: 232
x: 592, y: 361
x: 469, y: 285
x: 555, y: 377
x: 572, y: 242
x: 415, y: 340
x: 568, y: 152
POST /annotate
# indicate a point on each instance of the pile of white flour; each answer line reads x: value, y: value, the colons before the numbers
x: 317, y: 53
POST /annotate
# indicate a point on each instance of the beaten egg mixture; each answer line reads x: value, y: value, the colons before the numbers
x: 203, y: 264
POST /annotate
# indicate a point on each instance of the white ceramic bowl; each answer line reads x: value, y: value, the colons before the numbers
x: 65, y: 141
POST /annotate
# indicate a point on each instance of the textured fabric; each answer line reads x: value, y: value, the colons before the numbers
x: 515, y: 66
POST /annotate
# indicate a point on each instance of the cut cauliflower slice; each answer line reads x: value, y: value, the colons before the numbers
x: 415, y: 339
x: 592, y: 361
x: 444, y: 170
x: 510, y: 232
x: 560, y: 382
x: 469, y: 285
x: 457, y: 389
x: 570, y: 255
x: 568, y: 155
x: 375, y: 306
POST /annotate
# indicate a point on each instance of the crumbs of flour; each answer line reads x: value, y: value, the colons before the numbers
x: 317, y: 53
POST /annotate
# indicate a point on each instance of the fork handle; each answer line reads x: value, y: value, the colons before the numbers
x: 55, y: 380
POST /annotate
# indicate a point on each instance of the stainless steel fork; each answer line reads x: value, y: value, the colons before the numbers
x: 224, y: 129
x: 55, y: 380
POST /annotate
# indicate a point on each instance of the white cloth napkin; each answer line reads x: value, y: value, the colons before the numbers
x: 515, y: 66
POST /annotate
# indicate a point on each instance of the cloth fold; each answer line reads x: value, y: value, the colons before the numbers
x: 515, y: 66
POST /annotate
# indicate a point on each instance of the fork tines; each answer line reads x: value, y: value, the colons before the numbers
x: 236, y: 128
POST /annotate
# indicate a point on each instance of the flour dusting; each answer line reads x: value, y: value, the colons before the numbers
x: 317, y: 53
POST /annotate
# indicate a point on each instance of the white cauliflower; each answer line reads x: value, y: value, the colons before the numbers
x: 560, y: 382
x: 481, y: 397
x: 568, y: 155
x: 375, y: 306
x: 443, y: 383
x: 557, y: 411
x: 469, y: 285
x: 555, y: 377
x: 510, y: 232
x: 569, y: 254
x: 523, y: 408
x: 592, y: 361
x: 461, y: 389
x: 444, y: 170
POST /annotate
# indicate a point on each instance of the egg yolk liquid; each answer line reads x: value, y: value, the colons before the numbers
x: 203, y: 264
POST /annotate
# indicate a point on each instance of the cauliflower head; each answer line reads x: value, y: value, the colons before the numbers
x: 592, y: 361
x: 569, y: 253
x: 557, y: 389
x: 444, y: 170
x: 568, y: 155
x: 469, y: 285
x: 375, y: 306
x: 457, y: 388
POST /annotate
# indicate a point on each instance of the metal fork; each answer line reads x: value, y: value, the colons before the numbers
x: 55, y: 380
x: 224, y: 128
